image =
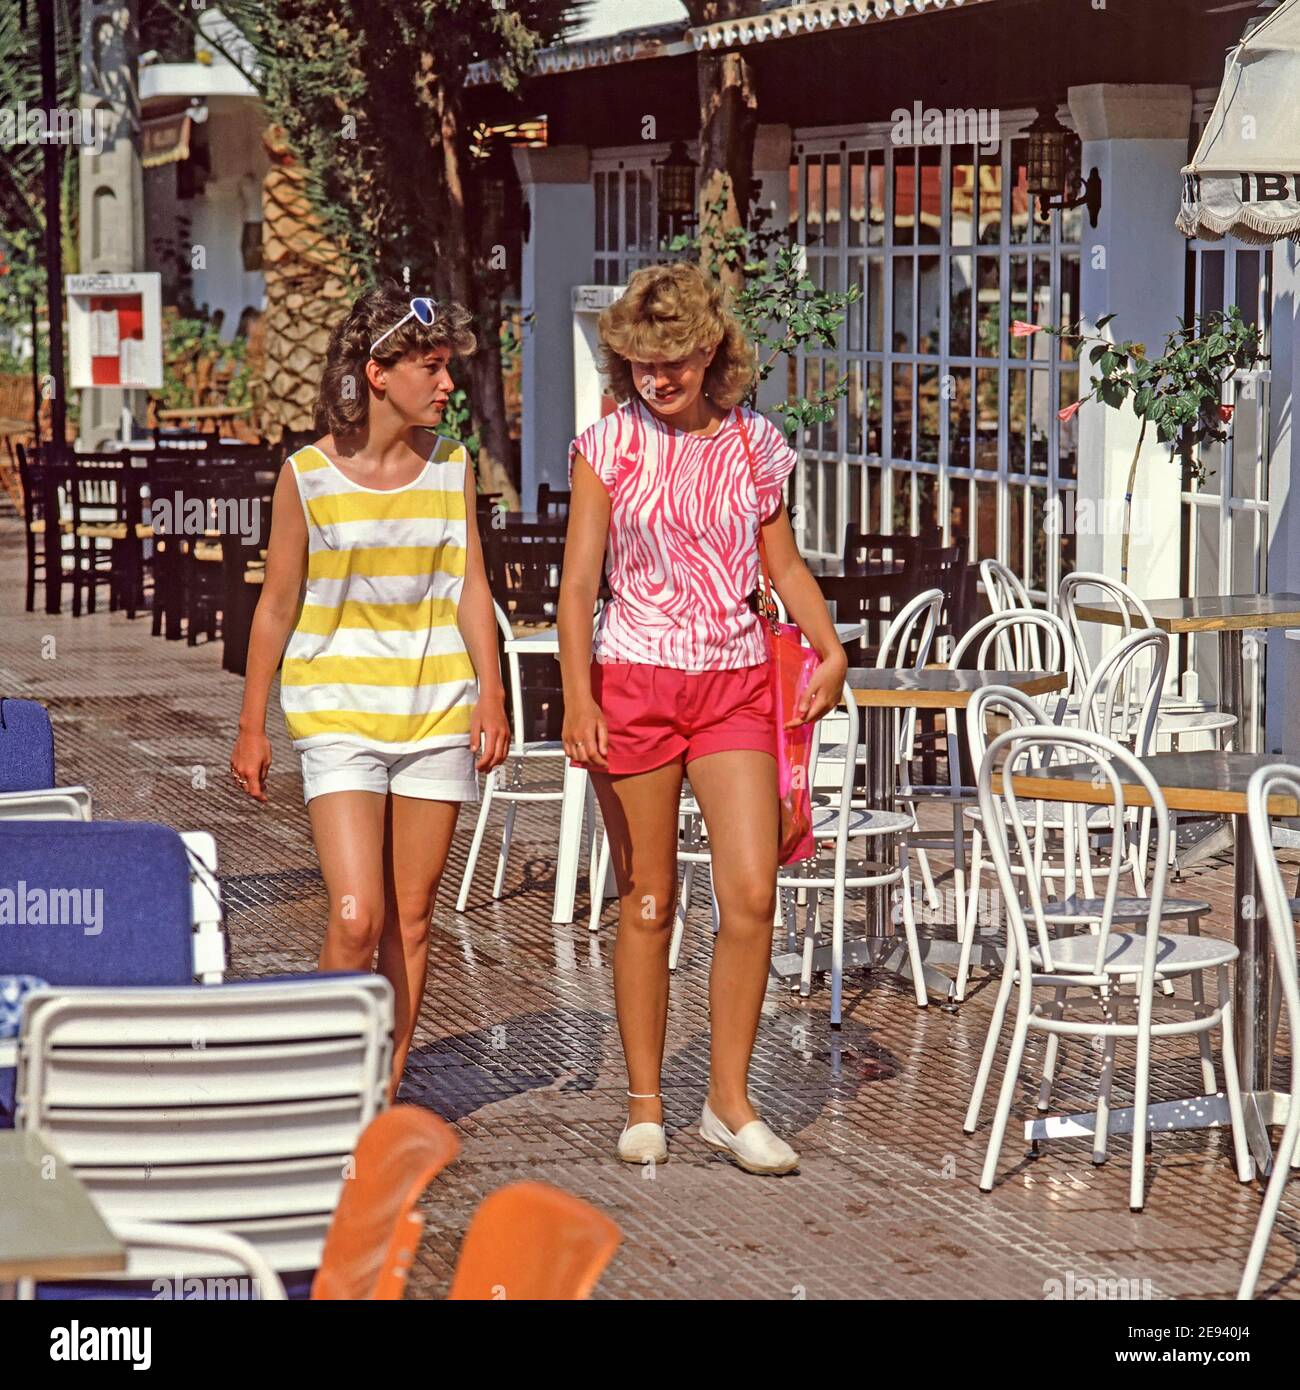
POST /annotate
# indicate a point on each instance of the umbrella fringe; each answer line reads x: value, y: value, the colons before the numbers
x: 1245, y: 224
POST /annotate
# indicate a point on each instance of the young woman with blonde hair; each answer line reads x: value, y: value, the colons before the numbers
x: 391, y: 686
x: 675, y: 679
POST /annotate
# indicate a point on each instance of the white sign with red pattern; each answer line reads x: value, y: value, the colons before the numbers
x: 115, y: 330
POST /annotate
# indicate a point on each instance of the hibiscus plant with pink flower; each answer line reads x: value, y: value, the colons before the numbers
x: 1180, y: 392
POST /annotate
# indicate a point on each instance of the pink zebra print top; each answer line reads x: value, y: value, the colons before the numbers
x: 682, y: 553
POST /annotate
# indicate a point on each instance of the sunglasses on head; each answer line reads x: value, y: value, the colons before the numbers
x: 422, y: 308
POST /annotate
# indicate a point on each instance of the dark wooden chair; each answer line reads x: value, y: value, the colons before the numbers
x: 108, y: 528
x: 552, y: 502
x: 40, y: 507
x: 524, y: 560
x: 868, y: 551
x: 243, y: 560
x: 874, y: 599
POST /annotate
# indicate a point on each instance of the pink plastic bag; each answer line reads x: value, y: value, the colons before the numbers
x: 790, y: 666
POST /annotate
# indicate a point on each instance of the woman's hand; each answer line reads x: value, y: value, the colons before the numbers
x: 250, y: 762
x: 489, y: 722
x: 824, y: 690
x: 585, y: 735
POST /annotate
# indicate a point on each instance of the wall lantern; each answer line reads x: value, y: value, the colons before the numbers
x: 675, y: 176
x: 1053, y: 168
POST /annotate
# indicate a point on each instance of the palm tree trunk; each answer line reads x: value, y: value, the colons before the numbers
x: 728, y: 122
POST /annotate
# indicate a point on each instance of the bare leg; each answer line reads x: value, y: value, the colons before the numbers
x: 640, y: 812
x: 418, y: 837
x: 744, y: 874
x: 348, y: 828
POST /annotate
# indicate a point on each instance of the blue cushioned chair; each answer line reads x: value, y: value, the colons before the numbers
x: 26, y: 747
x: 120, y: 891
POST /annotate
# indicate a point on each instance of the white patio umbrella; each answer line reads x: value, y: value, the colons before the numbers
x: 1245, y: 177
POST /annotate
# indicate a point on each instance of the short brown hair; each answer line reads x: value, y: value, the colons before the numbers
x: 343, y: 401
x: 666, y: 313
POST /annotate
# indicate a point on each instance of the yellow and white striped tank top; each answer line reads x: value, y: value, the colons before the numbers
x: 376, y: 658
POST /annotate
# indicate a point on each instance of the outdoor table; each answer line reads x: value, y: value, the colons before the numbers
x: 881, y: 691
x: 546, y: 642
x: 1214, y: 781
x: 49, y: 1227
x: 1227, y: 614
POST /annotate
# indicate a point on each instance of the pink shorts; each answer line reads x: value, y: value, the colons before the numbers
x: 655, y: 713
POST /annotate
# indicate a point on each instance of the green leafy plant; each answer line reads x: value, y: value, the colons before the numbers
x: 194, y: 356
x: 779, y: 307
x: 1180, y: 392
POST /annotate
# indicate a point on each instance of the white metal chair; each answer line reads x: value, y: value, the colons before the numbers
x: 147, y: 1240
x: 1006, y: 593
x: 58, y: 803
x: 1266, y: 782
x: 1179, y: 718
x: 513, y: 792
x: 991, y: 643
x: 1098, y: 962
x: 840, y: 822
x: 235, y: 1107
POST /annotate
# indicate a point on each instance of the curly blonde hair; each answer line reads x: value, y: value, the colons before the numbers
x: 666, y: 313
x: 343, y: 400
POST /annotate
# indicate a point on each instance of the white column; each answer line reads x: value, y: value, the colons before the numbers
x: 1132, y: 265
x: 558, y: 253
x: 1282, y: 712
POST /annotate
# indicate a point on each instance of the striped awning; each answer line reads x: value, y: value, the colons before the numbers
x: 812, y: 17
x: 1244, y: 180
x: 165, y: 140
x: 671, y: 41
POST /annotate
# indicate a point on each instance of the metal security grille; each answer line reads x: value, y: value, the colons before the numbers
x: 949, y: 428
x: 1225, y: 519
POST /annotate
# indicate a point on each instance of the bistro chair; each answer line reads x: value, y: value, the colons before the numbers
x: 839, y: 822
x: 1006, y: 593
x: 375, y: 1231
x: 868, y: 552
x: 38, y: 495
x: 530, y: 1241
x: 524, y: 560
x: 1277, y: 779
x: 109, y: 529
x: 26, y: 746
x: 249, y: 1132
x: 1120, y: 701
x: 1179, y: 717
x: 1118, y: 949
x: 507, y: 783
x: 990, y: 644
x: 553, y: 502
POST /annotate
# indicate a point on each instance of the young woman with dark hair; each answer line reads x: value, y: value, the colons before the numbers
x: 391, y: 686
x: 672, y: 490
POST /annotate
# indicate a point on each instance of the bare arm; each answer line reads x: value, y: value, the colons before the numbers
x: 803, y: 600
x: 476, y: 619
x: 277, y: 611
x: 584, y: 556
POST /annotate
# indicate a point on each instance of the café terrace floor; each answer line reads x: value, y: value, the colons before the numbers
x: 517, y: 1047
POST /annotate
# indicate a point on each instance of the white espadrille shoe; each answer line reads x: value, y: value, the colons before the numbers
x: 645, y: 1142
x: 755, y: 1147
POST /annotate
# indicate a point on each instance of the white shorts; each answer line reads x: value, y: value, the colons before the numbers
x: 434, y: 774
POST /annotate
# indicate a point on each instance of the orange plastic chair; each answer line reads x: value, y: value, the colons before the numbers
x: 531, y: 1241
x: 375, y: 1230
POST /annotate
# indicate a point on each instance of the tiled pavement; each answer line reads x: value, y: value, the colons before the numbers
x: 517, y: 1047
